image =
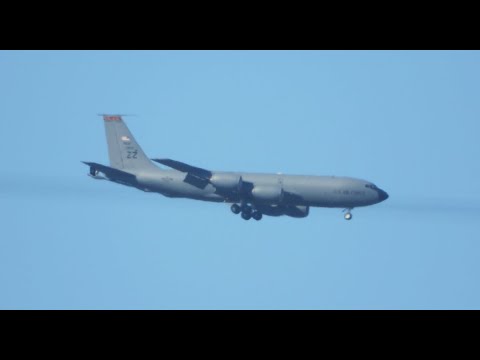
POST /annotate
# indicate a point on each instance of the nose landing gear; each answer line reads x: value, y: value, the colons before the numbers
x: 348, y: 215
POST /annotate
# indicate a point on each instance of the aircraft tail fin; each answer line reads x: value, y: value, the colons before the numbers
x: 123, y: 150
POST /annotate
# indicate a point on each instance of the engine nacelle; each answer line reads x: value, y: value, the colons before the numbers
x: 227, y: 181
x: 267, y: 194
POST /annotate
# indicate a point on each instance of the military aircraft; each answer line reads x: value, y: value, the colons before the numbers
x: 251, y: 194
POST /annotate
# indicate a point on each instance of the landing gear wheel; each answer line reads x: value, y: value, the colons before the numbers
x: 246, y: 216
x: 247, y: 210
x: 348, y: 216
x: 235, y: 209
x: 257, y: 215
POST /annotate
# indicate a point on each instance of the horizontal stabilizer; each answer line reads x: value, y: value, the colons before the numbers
x: 113, y: 174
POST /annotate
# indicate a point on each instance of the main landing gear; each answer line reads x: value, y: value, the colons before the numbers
x: 236, y: 209
x: 247, y: 211
x: 348, y: 215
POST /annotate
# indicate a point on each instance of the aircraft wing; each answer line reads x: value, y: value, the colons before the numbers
x: 201, y: 177
x: 177, y: 165
x: 195, y: 176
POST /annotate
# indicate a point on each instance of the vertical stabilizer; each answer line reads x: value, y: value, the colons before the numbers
x: 123, y: 149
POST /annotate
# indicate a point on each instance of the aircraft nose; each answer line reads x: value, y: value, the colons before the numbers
x: 382, y: 195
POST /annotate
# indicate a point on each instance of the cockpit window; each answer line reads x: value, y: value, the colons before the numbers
x: 371, y: 186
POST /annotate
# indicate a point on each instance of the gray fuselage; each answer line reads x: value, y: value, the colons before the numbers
x: 317, y: 191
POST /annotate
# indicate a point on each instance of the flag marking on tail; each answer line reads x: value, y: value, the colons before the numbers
x: 112, y: 118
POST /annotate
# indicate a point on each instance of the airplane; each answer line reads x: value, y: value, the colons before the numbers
x: 251, y: 194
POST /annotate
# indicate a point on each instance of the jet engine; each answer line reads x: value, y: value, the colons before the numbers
x: 226, y: 181
x: 267, y: 194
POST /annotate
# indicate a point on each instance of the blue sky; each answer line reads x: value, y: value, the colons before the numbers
x: 407, y: 121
